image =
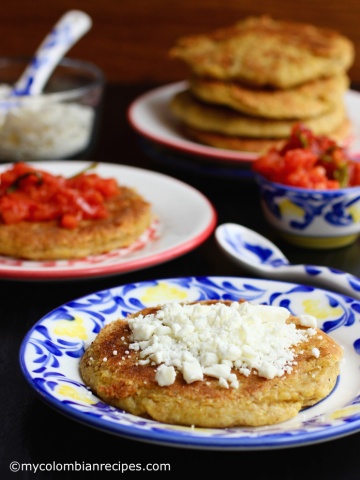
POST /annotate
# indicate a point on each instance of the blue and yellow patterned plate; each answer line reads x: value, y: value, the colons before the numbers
x: 51, y: 351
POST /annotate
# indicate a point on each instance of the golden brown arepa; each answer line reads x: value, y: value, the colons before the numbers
x: 227, y: 121
x: 251, y: 82
x: 262, y: 51
x: 118, y: 374
x: 254, y: 145
x: 309, y: 99
x: 129, y: 216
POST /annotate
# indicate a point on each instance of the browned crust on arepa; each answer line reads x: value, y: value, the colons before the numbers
x: 304, y: 101
x: 341, y: 134
x: 119, y: 381
x: 129, y: 216
x: 227, y: 121
x: 262, y: 51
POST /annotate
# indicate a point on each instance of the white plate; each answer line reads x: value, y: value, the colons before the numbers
x: 51, y: 351
x: 151, y: 117
x: 185, y: 218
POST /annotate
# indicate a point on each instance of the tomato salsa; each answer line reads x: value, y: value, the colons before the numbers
x: 309, y: 161
x: 33, y: 195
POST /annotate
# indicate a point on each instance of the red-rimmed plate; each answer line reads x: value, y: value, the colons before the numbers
x: 184, y: 219
x: 150, y: 116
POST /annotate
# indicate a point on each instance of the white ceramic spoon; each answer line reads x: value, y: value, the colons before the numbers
x: 260, y: 256
x: 65, y: 33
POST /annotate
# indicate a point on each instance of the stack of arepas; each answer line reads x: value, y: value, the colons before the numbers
x: 251, y: 82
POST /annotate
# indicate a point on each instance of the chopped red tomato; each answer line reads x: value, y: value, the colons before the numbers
x: 69, y: 221
x: 309, y: 161
x: 32, y: 195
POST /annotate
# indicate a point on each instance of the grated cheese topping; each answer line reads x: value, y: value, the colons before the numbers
x: 37, y: 128
x: 214, y: 339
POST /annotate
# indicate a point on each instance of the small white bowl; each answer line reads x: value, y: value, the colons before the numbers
x: 319, y: 219
x: 58, y: 124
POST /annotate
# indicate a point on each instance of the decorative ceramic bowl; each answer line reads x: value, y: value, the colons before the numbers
x: 58, y: 124
x: 319, y: 219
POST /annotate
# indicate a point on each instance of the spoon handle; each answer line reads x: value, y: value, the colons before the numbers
x: 65, y: 33
x: 330, y: 278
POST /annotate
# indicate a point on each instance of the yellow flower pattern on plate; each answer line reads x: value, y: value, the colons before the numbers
x: 321, y: 312
x: 70, y: 392
x: 71, y: 328
x: 161, y: 292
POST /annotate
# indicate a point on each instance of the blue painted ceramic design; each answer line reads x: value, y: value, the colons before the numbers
x: 304, y: 212
x: 262, y: 252
x: 50, y: 354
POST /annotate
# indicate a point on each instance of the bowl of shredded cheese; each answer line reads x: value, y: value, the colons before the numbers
x: 60, y: 123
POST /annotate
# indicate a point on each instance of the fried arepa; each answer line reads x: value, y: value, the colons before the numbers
x: 261, y: 51
x: 111, y: 370
x: 226, y: 121
x: 129, y: 216
x: 341, y: 135
x: 311, y: 99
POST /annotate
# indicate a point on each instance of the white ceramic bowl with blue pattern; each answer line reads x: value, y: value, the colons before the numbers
x: 311, y: 218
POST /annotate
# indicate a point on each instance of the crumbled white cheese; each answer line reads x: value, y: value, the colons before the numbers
x: 35, y: 128
x: 165, y: 375
x: 192, y: 371
x: 307, y: 321
x: 213, y: 339
x: 316, y: 352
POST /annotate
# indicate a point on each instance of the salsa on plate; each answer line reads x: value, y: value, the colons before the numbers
x: 33, y: 195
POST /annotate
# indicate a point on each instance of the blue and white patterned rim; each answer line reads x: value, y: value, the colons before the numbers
x: 51, y: 351
x: 260, y: 256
